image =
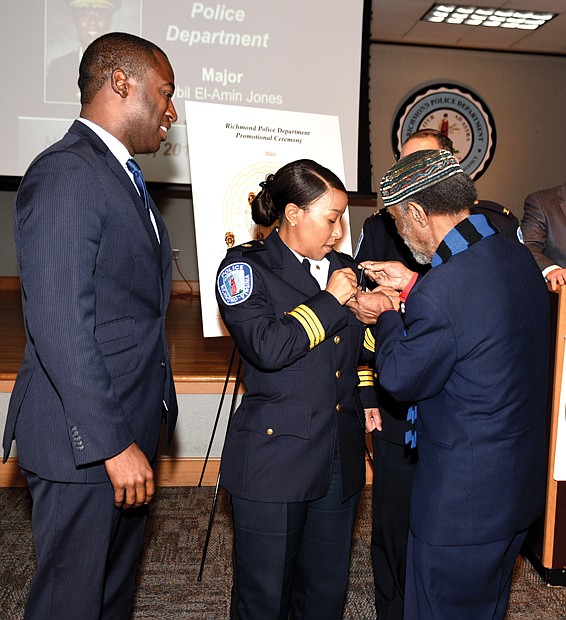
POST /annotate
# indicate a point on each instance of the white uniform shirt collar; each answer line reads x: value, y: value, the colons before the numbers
x: 319, y: 268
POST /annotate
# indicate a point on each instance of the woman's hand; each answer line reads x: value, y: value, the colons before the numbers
x: 342, y: 284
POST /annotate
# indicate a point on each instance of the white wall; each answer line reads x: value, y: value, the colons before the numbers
x: 525, y: 93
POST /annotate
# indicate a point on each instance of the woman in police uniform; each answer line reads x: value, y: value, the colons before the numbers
x: 293, y: 461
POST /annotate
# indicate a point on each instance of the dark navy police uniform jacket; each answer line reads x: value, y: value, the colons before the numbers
x: 300, y: 348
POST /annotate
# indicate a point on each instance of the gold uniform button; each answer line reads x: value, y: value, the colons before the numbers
x: 338, y: 408
x: 338, y: 374
x: 337, y: 339
x: 269, y: 431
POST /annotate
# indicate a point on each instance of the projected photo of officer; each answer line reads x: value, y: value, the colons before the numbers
x: 71, y: 25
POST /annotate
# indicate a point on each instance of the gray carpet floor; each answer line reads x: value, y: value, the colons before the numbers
x: 167, y: 587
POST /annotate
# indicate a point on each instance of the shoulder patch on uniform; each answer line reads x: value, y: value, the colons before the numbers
x: 235, y: 283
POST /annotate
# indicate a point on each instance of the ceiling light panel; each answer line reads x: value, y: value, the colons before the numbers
x: 483, y: 16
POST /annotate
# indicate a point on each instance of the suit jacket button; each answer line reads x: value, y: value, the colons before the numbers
x: 269, y: 431
x: 338, y: 408
x: 162, y: 364
x: 338, y: 374
x: 337, y: 339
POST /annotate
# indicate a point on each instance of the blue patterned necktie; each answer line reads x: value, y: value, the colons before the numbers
x: 142, y: 189
x: 139, y: 181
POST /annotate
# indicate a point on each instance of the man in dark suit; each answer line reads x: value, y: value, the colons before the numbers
x: 394, y: 458
x: 95, y: 269
x: 472, y: 352
x: 544, y: 232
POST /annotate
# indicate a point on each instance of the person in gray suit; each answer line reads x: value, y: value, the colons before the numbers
x: 544, y: 232
x: 95, y: 269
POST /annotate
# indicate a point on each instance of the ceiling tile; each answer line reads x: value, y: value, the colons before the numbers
x: 399, y: 21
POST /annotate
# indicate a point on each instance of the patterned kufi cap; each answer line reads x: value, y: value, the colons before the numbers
x: 416, y: 172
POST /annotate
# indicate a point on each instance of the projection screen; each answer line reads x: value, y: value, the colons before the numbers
x: 294, y: 55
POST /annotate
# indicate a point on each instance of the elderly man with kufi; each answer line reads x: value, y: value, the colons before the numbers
x: 470, y: 349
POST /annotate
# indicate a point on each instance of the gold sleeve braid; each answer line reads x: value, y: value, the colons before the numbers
x: 310, y: 323
x: 369, y: 341
x: 365, y: 376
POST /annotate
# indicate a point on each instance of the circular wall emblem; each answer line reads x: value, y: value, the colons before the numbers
x: 457, y: 112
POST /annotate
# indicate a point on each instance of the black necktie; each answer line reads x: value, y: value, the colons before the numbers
x: 307, y: 265
x: 138, y: 180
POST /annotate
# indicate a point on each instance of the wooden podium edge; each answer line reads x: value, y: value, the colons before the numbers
x: 552, y: 484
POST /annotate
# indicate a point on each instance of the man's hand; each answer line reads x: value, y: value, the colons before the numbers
x: 131, y: 476
x: 367, y: 306
x: 392, y: 274
x: 556, y: 277
x: 373, y: 420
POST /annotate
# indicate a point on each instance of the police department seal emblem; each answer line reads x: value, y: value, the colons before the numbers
x: 457, y: 112
x: 235, y: 283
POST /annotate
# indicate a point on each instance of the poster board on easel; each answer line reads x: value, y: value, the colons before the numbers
x: 232, y: 149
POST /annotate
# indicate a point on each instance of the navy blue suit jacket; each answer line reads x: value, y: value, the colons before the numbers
x: 299, y: 404
x: 380, y: 241
x: 475, y: 357
x: 95, y: 287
